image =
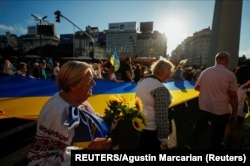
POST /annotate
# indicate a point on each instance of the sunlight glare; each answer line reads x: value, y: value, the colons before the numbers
x: 175, y: 31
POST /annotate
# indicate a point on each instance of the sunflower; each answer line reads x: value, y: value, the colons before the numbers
x: 114, y: 100
x: 138, y: 124
x: 138, y: 103
x: 131, y: 112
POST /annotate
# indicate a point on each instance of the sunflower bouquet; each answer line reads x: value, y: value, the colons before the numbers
x: 125, y: 121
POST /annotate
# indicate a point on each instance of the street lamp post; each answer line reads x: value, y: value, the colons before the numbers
x: 40, y: 21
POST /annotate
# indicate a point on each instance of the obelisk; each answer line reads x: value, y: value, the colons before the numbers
x: 226, y: 27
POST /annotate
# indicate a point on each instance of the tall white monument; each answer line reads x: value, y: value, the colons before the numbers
x: 226, y: 30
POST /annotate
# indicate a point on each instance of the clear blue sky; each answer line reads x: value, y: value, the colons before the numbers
x: 176, y: 18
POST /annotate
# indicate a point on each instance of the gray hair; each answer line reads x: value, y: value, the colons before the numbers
x: 222, y: 56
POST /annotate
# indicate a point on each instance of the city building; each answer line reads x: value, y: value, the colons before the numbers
x: 122, y: 38
x: 8, y: 40
x: 152, y: 45
x: 194, y: 48
x: 39, y: 36
x: 84, y: 42
x: 125, y: 38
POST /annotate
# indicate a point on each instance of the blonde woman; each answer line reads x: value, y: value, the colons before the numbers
x: 156, y: 99
x: 65, y: 118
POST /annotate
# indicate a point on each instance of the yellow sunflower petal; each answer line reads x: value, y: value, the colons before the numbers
x: 138, y: 124
x: 138, y: 103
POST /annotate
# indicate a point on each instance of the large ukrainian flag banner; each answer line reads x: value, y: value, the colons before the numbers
x: 24, y: 98
x: 114, y: 60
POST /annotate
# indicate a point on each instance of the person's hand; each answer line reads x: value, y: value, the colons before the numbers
x: 247, y: 84
x: 99, y: 144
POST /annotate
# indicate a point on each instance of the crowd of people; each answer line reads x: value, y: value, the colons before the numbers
x: 127, y: 72
x: 222, y: 104
x: 133, y: 73
x: 37, y: 69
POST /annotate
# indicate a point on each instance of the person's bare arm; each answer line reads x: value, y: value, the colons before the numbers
x: 234, y: 104
x: 129, y: 76
x: 247, y: 85
x: 99, y: 144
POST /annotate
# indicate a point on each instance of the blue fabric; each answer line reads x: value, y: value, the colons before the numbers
x: 83, y: 131
x: 90, y: 127
x: 74, y: 116
x: 102, y: 128
x: 13, y: 86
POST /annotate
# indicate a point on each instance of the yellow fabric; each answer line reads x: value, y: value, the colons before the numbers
x: 30, y: 107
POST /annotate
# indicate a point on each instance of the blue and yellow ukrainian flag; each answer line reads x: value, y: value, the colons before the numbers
x: 114, y: 60
x: 24, y: 97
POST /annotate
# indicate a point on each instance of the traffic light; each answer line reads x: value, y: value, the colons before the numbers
x: 58, y: 14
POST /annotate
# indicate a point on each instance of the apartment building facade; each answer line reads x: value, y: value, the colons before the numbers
x: 194, y: 48
x: 126, y: 38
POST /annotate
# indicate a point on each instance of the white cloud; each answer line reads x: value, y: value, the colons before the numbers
x: 22, y: 30
x: 19, y: 30
x: 6, y: 28
x: 245, y: 52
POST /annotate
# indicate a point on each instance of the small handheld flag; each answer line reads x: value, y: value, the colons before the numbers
x: 114, y: 60
x: 183, y: 62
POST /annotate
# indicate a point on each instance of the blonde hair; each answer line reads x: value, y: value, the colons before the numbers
x: 162, y: 66
x: 71, y: 73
